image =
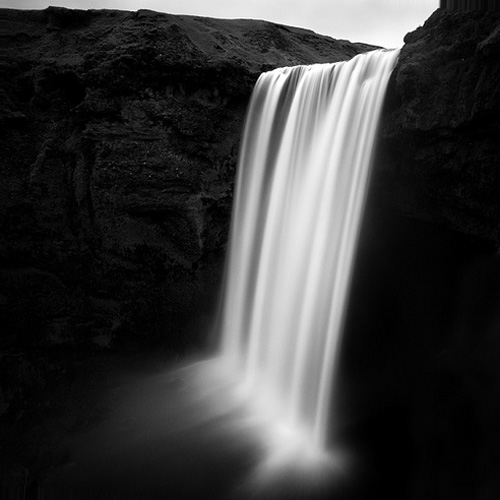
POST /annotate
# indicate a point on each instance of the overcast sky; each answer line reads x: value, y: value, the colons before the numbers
x: 380, y: 22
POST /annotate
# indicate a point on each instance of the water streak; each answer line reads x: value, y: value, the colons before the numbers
x: 302, y: 178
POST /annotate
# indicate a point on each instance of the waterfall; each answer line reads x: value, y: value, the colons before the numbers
x: 302, y: 178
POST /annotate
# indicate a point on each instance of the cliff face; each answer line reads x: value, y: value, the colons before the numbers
x: 436, y: 294
x: 121, y: 132
x: 441, y: 123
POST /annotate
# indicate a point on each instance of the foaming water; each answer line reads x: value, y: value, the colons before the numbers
x: 285, y: 463
x: 303, y: 172
x: 185, y: 432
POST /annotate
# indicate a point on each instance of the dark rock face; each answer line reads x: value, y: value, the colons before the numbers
x: 120, y: 137
x: 429, y: 279
x: 441, y: 123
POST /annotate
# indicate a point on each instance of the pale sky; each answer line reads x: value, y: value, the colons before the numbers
x: 380, y: 22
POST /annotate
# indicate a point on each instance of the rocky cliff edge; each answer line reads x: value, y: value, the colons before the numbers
x: 120, y: 137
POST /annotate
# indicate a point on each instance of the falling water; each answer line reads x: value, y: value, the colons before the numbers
x: 260, y: 432
x: 303, y: 172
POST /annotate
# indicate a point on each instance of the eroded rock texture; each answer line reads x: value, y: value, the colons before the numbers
x: 120, y: 137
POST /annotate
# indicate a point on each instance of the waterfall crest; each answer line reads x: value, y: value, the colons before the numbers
x: 302, y: 178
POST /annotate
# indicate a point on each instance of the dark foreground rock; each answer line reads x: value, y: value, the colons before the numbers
x: 120, y: 132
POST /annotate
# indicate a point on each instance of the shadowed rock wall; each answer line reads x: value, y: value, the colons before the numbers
x: 424, y: 326
x: 120, y: 137
x: 441, y: 123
